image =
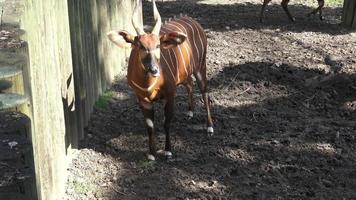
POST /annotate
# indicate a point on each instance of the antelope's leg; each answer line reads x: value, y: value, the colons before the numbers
x: 285, y: 8
x: 321, y: 5
x: 168, y: 115
x: 148, y: 113
x: 190, y: 86
x: 262, y: 14
x: 202, y: 83
x: 318, y: 9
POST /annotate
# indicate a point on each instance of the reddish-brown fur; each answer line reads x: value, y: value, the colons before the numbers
x: 154, y: 71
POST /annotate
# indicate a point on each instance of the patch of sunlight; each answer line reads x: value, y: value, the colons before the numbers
x: 81, y: 187
x: 238, y: 155
x: 223, y: 100
x: 322, y: 148
x: 334, y: 3
x: 226, y: 2
x: 129, y: 142
x: 325, y: 148
x: 350, y: 105
x: 191, y: 183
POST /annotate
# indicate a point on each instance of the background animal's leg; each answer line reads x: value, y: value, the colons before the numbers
x: 148, y: 113
x: 202, y: 83
x: 168, y: 115
x: 265, y: 3
x: 321, y: 5
x: 318, y: 9
x: 190, y: 87
x: 285, y: 8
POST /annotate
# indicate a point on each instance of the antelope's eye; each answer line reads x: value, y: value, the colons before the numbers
x: 158, y: 46
x: 141, y: 46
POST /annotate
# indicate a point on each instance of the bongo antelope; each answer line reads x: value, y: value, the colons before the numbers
x: 284, y: 4
x: 162, y: 60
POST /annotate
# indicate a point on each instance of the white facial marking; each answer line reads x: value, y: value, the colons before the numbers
x: 167, y: 153
x: 190, y: 114
x: 210, y: 130
x: 156, y: 53
x: 149, y: 122
x: 151, y: 157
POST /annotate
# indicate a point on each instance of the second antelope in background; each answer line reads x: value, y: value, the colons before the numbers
x: 162, y: 60
x: 285, y: 8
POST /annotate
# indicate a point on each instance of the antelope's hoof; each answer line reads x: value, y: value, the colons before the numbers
x: 151, y: 157
x: 190, y: 114
x: 210, y: 131
x: 168, y: 155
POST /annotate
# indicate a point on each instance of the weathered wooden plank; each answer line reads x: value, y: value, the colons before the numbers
x: 12, y: 101
x: 5, y: 85
x: 75, y: 120
x: 354, y: 20
x: 344, y: 13
x: 349, y: 13
x: 47, y: 40
x: 12, y: 74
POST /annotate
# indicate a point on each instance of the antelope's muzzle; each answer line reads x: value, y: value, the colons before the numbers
x: 153, y: 69
x: 151, y: 65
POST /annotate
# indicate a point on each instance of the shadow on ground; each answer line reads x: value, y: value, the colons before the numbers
x: 281, y: 132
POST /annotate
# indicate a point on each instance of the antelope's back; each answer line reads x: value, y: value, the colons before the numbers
x: 189, y: 56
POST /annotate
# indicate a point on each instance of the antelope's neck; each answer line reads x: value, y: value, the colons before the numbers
x: 145, y: 86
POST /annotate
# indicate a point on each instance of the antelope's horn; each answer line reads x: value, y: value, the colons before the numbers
x: 157, y: 18
x: 134, y: 19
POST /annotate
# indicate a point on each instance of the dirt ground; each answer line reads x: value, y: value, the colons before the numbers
x: 284, y: 98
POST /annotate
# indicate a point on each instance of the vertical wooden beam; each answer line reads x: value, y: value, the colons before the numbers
x: 348, y: 15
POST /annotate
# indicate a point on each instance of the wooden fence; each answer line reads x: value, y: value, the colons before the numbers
x: 67, y: 63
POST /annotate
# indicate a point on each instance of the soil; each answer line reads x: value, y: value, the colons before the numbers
x: 284, y: 108
x: 10, y: 38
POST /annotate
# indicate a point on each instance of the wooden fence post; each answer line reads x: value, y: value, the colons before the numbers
x: 348, y: 13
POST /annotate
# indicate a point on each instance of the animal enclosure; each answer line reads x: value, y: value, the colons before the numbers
x: 283, y: 104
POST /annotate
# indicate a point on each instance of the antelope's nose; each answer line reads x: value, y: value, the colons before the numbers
x: 153, y: 69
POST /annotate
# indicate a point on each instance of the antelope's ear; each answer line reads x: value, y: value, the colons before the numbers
x: 122, y: 39
x: 172, y: 39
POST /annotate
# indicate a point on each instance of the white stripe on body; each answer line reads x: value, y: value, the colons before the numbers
x: 201, y: 41
x: 193, y: 32
x: 170, y: 57
x: 179, y: 48
x: 190, y: 53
